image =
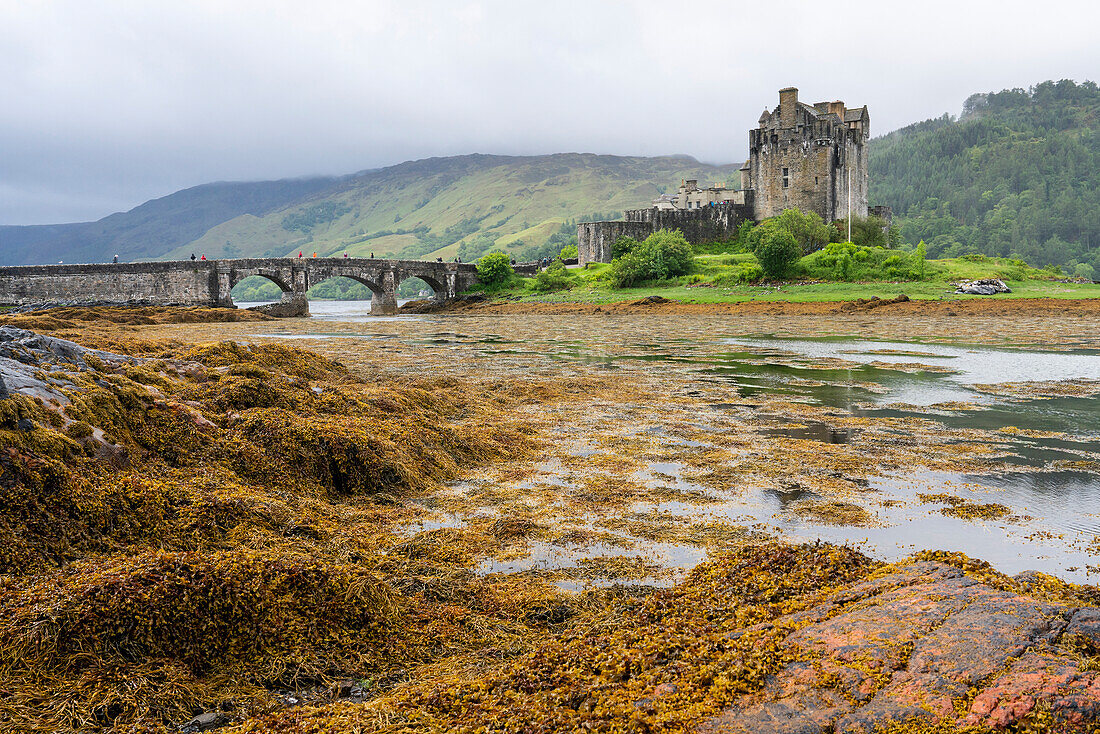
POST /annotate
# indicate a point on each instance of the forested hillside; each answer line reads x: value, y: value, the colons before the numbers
x: 1018, y: 174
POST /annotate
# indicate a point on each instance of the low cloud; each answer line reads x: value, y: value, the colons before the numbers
x: 105, y: 105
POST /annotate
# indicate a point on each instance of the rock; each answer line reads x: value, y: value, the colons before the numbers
x: 867, y: 304
x: 23, y: 353
x: 1085, y: 627
x: 910, y: 646
x: 205, y: 722
x: 651, y: 301
x: 984, y: 287
x: 432, y: 305
x: 342, y: 688
x: 288, y: 309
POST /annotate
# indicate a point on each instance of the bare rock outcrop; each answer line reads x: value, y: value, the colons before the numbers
x: 927, y: 644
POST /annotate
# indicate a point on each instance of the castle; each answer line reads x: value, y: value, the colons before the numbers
x: 801, y: 156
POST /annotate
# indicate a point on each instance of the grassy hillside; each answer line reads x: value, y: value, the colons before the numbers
x: 1017, y: 175
x: 438, y: 207
x: 155, y: 227
x: 459, y: 206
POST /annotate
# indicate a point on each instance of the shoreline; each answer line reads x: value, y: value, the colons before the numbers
x: 659, y: 305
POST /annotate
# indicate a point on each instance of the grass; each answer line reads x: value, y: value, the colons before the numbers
x: 707, y: 285
x: 517, y: 202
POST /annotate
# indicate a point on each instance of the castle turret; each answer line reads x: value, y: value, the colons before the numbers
x: 788, y: 107
x: 801, y: 156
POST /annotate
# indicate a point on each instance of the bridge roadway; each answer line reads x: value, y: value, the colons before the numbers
x: 210, y: 282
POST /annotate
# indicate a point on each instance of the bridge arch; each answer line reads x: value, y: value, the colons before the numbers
x: 439, y: 289
x: 274, y: 277
x: 373, y: 286
x: 257, y: 288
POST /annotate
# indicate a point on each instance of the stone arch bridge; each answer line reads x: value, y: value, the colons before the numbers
x: 210, y: 282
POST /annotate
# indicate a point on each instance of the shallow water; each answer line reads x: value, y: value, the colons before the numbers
x: 921, y: 403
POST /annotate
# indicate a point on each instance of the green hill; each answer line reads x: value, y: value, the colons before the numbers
x: 438, y: 207
x: 457, y: 206
x: 1017, y: 175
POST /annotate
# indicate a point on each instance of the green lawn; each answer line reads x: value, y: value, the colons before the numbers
x: 589, y: 287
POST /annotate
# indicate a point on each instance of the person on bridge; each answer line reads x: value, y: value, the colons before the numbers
x: 372, y: 256
x: 192, y: 257
x: 315, y: 254
x: 345, y: 254
x: 116, y: 259
x: 299, y: 254
x: 203, y: 256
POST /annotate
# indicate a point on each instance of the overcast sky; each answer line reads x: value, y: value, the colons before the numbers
x: 105, y: 104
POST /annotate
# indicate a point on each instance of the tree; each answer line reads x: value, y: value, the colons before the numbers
x: 494, y: 269
x: 809, y: 229
x: 664, y: 254
x: 622, y: 245
x: 866, y: 231
x: 569, y: 252
x: 777, y: 250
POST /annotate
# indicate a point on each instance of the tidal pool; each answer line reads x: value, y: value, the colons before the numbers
x: 688, y: 434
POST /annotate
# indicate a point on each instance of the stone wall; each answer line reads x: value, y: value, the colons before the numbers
x: 706, y: 224
x: 172, y: 283
x: 594, y: 239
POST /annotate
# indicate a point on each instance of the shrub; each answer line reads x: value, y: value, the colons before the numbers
x: 1084, y: 270
x: 848, y: 261
x: 809, y: 229
x: 741, y: 274
x: 553, y: 278
x: 569, y: 252
x: 494, y: 269
x: 622, y: 246
x: 866, y: 231
x: 664, y: 254
x: 777, y: 251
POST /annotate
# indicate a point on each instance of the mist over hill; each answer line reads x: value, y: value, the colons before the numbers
x: 1017, y: 174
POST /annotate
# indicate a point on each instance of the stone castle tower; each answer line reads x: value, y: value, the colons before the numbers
x: 801, y: 156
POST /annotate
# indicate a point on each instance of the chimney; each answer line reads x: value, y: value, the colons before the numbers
x: 837, y: 108
x: 788, y: 104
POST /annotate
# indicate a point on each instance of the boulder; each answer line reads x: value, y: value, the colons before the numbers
x: 983, y: 287
x: 205, y: 722
x: 24, y: 355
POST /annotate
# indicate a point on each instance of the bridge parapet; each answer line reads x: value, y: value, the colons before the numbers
x: 210, y: 282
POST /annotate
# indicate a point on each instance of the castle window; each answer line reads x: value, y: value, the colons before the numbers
x: 786, y: 178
